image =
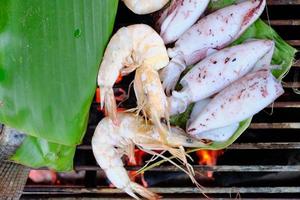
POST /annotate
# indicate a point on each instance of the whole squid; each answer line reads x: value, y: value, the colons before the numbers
x: 183, y: 12
x: 211, y: 33
x: 216, y: 135
x: 239, y: 101
x: 220, y: 69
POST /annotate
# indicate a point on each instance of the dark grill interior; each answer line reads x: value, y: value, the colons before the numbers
x: 263, y: 163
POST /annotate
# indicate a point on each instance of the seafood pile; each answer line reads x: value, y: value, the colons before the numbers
x: 226, y: 83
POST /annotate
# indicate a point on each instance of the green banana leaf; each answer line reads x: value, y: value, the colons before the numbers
x: 283, y: 56
x: 37, y: 152
x: 49, y: 57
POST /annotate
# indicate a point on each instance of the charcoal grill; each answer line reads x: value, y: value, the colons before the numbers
x: 264, y: 163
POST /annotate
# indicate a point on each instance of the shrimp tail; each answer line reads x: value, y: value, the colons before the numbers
x: 109, y: 144
x: 102, y: 95
x: 118, y: 176
x: 144, y: 192
x: 107, y: 96
x: 130, y: 153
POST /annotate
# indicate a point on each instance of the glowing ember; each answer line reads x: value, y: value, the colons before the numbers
x: 120, y: 96
x: 120, y: 77
x: 139, y: 154
x: 43, y: 176
x: 208, y: 157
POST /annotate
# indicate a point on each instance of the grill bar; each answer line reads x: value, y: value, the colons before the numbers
x: 162, y: 190
x: 279, y: 104
x: 291, y: 84
x: 219, y: 168
x: 287, y: 125
x: 286, y: 104
x: 283, y: 2
x: 287, y: 22
x: 265, y: 145
x: 294, y: 43
x: 291, y: 125
x: 287, y: 27
x: 165, y: 198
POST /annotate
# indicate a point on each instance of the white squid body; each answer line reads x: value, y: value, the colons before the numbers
x: 239, y: 101
x: 129, y: 48
x: 179, y: 17
x: 142, y: 7
x: 220, y: 69
x: 111, y: 142
x: 216, y: 135
x: 210, y: 33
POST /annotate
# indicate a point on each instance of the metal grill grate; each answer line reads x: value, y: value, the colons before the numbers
x: 263, y: 163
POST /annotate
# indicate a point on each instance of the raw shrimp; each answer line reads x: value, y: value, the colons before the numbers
x: 142, y: 7
x: 127, y: 50
x: 215, y: 135
x: 209, y: 34
x: 179, y: 17
x: 239, y: 101
x: 111, y: 142
x: 151, y: 98
x: 220, y: 69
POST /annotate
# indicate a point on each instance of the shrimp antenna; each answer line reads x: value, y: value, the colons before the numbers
x: 191, y: 176
x: 128, y: 94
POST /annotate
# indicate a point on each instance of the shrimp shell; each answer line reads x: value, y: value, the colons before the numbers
x: 142, y: 7
x: 129, y: 48
x: 110, y: 142
x: 151, y: 97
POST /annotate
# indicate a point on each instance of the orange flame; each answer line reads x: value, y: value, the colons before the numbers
x: 120, y: 77
x: 119, y: 98
x: 43, y: 176
x: 98, y: 89
x: 209, y: 157
x: 139, y: 154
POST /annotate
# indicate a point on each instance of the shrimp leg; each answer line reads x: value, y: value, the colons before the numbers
x: 151, y: 97
x: 109, y: 144
x: 105, y: 144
